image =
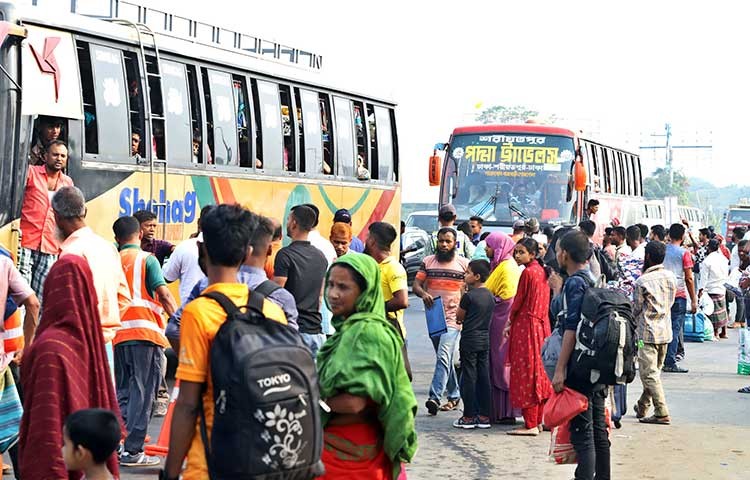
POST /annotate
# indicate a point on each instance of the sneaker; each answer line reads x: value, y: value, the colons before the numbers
x: 139, y: 459
x: 466, y: 423
x: 160, y: 407
x: 432, y: 406
x: 674, y: 369
x: 482, y: 422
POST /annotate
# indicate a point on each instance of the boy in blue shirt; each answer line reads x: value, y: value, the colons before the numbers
x: 588, y: 430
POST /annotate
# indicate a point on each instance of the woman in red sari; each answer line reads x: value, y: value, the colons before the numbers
x: 63, y: 371
x: 528, y: 327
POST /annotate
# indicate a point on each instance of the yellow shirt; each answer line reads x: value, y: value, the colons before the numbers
x: 393, y: 279
x: 503, y: 281
x: 201, y: 320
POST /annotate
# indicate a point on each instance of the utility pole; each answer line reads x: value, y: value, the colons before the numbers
x: 668, y: 150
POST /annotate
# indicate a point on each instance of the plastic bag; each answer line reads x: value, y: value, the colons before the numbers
x: 561, y: 449
x: 708, y: 331
x: 563, y: 406
x: 706, y: 305
x: 743, y: 358
x: 551, y: 352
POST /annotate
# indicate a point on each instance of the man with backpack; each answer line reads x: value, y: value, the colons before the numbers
x: 227, y: 233
x: 654, y: 294
x: 588, y: 430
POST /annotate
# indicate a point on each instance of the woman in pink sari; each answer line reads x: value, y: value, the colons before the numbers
x: 503, y: 283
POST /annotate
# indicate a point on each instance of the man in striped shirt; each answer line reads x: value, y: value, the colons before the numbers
x: 442, y: 275
x: 654, y: 294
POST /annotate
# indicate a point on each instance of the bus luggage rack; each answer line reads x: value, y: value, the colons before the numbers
x: 188, y: 29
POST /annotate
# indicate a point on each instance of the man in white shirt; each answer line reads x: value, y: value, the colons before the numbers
x: 714, y: 274
x: 183, y: 263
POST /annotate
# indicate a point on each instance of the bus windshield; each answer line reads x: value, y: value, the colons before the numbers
x: 739, y: 215
x: 505, y: 177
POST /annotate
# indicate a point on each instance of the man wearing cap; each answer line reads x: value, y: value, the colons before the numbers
x: 447, y: 218
x: 342, y: 215
x: 519, y: 230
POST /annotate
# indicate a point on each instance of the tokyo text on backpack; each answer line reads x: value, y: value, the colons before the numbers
x: 267, y: 422
x: 606, y: 345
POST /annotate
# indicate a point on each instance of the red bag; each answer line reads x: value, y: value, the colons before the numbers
x: 563, y: 406
x: 561, y: 449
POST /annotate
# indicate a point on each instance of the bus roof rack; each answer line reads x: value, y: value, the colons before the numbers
x: 200, y: 32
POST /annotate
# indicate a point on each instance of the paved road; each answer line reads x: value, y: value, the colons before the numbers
x: 709, y: 437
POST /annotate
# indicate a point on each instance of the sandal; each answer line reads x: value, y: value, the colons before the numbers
x: 449, y: 406
x: 524, y: 432
x: 744, y: 389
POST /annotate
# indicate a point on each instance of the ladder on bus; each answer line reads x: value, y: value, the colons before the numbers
x: 154, y: 161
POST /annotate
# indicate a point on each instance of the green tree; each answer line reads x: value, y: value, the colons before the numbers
x: 503, y: 114
x: 657, y: 186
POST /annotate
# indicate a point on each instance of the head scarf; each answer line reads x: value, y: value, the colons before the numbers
x: 64, y: 370
x: 364, y: 358
x: 503, y: 247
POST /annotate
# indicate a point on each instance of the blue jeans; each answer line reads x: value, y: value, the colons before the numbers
x: 313, y: 341
x: 679, y: 307
x: 445, y: 375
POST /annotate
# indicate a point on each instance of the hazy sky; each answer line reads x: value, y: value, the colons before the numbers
x: 626, y: 68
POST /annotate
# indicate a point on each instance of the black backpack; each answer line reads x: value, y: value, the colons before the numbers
x: 606, y: 345
x: 605, y: 264
x: 267, y: 422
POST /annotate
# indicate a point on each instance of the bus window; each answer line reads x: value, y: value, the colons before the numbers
x: 386, y: 145
x: 157, y: 108
x: 222, y: 140
x: 135, y: 103
x: 256, y: 125
x: 300, y: 129
x: 607, y: 177
x: 239, y: 87
x: 326, y: 126
x: 638, y: 178
x: 111, y: 103
x: 209, y: 114
x: 287, y: 127
x: 270, y: 116
x: 89, y: 101
x: 344, y: 137
x: 179, y: 132
x: 360, y: 136
x: 372, y: 134
x: 312, y: 144
x: 196, y: 122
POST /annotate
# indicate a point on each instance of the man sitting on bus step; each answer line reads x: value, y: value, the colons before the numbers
x: 161, y: 249
x: 39, y: 243
x: 447, y: 218
x: 48, y: 131
x: 591, y: 208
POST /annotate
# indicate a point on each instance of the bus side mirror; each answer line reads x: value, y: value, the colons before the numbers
x: 579, y: 176
x: 434, y: 170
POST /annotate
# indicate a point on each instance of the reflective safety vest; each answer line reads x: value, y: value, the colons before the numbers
x: 13, y: 334
x: 143, y: 319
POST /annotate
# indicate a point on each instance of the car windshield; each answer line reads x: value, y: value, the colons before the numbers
x: 504, y: 177
x: 425, y: 222
x: 740, y: 215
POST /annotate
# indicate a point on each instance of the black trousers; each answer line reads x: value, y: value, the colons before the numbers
x: 475, y: 383
x: 138, y: 373
x: 588, y: 434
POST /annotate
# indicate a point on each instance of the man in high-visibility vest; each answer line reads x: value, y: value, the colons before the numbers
x: 140, y: 342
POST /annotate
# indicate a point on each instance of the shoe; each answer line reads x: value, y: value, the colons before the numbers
x: 482, y: 422
x: 674, y: 369
x: 139, y: 459
x: 432, y: 407
x: 639, y: 411
x: 465, y: 422
x: 450, y: 405
x: 618, y: 424
x: 654, y: 420
x: 160, y: 407
x: 524, y: 432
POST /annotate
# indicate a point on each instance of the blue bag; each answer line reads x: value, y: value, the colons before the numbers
x: 694, y: 327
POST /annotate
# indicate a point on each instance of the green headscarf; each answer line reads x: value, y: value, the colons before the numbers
x: 364, y: 358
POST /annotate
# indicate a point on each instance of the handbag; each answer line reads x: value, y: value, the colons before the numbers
x: 404, y: 353
x: 553, y: 344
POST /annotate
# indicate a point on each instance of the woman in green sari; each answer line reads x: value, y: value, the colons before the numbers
x: 370, y: 430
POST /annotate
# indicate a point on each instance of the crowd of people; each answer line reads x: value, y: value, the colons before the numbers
x: 87, y: 359
x: 504, y: 299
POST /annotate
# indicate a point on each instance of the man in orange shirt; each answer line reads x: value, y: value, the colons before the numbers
x: 227, y: 231
x: 140, y: 343
x: 39, y: 243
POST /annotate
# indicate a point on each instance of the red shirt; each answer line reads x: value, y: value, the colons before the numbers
x: 37, y: 219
